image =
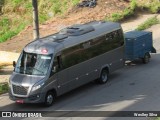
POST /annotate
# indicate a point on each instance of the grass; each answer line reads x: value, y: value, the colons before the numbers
x: 4, y: 88
x: 1, y: 67
x: 148, y: 23
x: 8, y: 33
x: 11, y: 32
x: 126, y: 13
x: 17, y: 14
x: 158, y: 118
x: 153, y: 7
x: 75, y: 2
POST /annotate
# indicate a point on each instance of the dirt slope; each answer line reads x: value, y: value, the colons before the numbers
x: 73, y: 16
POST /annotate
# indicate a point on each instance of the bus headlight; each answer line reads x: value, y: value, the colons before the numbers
x: 37, y: 86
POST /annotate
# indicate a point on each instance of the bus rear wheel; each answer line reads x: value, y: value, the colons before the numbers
x: 103, y: 77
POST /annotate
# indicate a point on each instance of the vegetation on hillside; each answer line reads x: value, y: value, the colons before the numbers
x: 152, y: 6
x: 124, y: 14
x: 148, y: 23
x: 15, y: 15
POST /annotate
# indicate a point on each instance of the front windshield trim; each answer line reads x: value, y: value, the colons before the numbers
x: 33, y: 64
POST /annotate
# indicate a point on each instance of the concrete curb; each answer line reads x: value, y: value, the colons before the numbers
x: 8, y: 57
x: 2, y: 95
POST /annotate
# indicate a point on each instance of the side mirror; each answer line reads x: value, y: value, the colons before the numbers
x: 54, y: 69
x: 14, y: 64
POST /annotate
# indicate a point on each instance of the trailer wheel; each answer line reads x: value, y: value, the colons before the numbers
x: 49, y: 99
x: 146, y: 58
x: 104, y: 77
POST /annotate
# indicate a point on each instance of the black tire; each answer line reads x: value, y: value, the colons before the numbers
x: 103, y: 77
x: 146, y: 58
x: 49, y: 99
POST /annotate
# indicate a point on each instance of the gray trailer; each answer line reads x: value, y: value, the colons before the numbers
x: 53, y: 65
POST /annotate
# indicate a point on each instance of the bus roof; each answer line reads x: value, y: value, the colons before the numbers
x: 71, y: 36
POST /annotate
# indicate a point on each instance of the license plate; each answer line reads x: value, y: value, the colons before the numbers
x: 19, y: 101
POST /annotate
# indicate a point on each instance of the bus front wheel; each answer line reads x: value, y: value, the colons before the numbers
x: 49, y: 99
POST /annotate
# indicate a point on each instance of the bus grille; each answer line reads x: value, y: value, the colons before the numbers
x: 20, y: 90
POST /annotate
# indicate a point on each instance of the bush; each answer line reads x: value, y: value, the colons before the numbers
x: 117, y: 17
x: 75, y: 2
x: 125, y: 14
x: 148, y: 23
x: 133, y: 5
x: 4, y: 88
x: 152, y: 6
x: 9, y: 33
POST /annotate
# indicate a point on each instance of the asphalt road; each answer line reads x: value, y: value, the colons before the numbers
x: 136, y: 87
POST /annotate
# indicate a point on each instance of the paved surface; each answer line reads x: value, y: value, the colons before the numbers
x: 132, y: 88
x: 8, y: 57
x: 5, y: 73
x: 132, y: 24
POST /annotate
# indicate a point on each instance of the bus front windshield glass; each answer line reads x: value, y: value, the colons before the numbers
x: 33, y: 64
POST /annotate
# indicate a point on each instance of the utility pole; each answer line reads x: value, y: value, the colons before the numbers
x: 35, y: 20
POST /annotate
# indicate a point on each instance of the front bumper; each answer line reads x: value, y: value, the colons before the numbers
x: 36, y: 98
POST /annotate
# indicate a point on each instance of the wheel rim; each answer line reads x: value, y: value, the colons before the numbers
x: 104, y: 76
x: 146, y: 58
x: 49, y: 99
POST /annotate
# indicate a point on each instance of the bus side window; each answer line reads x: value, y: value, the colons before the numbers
x: 109, y: 36
x: 72, y: 56
x: 57, y: 65
x: 59, y: 62
x: 121, y: 37
x: 54, y: 67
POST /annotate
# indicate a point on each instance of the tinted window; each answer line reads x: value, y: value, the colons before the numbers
x: 119, y: 37
x: 92, y: 48
x: 72, y: 56
x: 114, y: 39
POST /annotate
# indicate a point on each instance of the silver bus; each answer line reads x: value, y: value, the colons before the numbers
x: 53, y: 65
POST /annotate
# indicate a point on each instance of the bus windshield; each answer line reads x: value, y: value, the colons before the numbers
x: 33, y: 64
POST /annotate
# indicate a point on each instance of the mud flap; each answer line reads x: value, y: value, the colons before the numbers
x: 153, y: 50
